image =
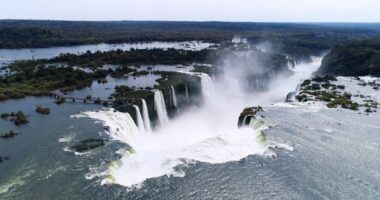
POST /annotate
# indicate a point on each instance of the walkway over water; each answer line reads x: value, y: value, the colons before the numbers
x: 62, y: 98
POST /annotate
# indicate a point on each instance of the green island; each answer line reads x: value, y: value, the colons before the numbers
x: 8, y: 135
x: 88, y: 144
x: 43, y: 110
x: 40, y: 77
x: 18, y: 118
x: 320, y: 88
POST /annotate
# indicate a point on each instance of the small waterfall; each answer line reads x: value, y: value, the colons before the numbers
x: 187, y: 92
x: 207, y: 84
x: 118, y: 125
x: 146, y: 118
x: 140, y: 122
x: 159, y: 105
x: 244, y: 123
x: 174, y: 97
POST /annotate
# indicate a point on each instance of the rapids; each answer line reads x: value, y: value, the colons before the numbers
x: 208, y: 133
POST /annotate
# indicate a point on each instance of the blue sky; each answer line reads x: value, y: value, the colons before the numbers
x: 195, y: 10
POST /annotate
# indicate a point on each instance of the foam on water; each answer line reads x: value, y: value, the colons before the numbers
x: 157, y: 155
x: 207, y: 134
x: 66, y: 139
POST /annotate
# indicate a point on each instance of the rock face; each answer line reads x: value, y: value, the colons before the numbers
x: 356, y: 59
x: 247, y: 114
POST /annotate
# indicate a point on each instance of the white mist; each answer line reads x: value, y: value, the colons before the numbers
x: 206, y: 134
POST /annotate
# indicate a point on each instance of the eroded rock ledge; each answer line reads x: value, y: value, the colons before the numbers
x: 247, y: 114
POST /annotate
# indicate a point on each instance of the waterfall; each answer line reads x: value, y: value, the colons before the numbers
x: 159, y: 105
x: 174, y: 97
x: 187, y: 92
x: 244, y: 123
x: 146, y: 118
x: 206, y: 134
x: 118, y: 125
x: 207, y: 84
x: 139, y: 119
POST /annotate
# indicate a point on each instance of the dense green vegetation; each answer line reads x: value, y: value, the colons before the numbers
x: 88, y: 144
x: 175, y: 78
x: 320, y: 88
x: 18, y: 118
x: 33, y: 79
x: 134, y: 57
x: 8, y: 135
x: 205, y: 69
x: 43, y: 110
x: 39, y: 77
x: 292, y: 38
x: 358, y: 58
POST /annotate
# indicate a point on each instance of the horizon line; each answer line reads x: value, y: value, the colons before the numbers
x: 198, y: 21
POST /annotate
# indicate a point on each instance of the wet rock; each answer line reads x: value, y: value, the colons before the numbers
x: 247, y: 114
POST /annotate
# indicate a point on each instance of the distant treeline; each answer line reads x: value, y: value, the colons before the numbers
x: 38, y: 77
x: 135, y: 57
x: 359, y: 58
x: 292, y: 38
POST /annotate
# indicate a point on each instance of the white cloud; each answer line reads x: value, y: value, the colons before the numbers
x: 200, y: 10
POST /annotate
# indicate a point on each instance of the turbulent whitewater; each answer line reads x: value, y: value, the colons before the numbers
x: 119, y: 126
x: 147, y: 123
x: 159, y: 105
x: 140, y: 121
x: 174, y: 97
x: 206, y: 134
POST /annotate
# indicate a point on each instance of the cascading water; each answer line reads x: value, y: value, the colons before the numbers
x: 174, y: 97
x: 187, y: 92
x: 159, y: 105
x: 207, y: 134
x: 207, y: 84
x: 146, y: 118
x: 120, y: 126
x: 139, y: 119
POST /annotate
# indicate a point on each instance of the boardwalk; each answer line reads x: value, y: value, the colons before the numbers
x: 62, y: 99
x: 109, y: 102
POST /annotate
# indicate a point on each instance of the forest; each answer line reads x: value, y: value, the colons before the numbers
x: 300, y: 39
x: 358, y: 58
